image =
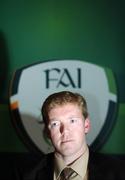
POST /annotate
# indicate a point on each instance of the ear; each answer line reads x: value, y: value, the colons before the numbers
x: 46, y: 132
x: 87, y: 125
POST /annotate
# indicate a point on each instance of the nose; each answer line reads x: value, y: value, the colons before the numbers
x: 63, y: 128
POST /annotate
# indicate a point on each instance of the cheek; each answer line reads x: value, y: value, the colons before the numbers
x: 54, y: 135
x: 80, y: 130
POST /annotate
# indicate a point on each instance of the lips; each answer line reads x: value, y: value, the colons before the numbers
x: 66, y: 141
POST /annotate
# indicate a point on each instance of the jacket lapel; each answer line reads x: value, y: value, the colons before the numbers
x: 44, y: 169
x: 93, y: 168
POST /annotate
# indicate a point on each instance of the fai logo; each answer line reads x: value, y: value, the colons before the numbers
x: 32, y: 84
x: 59, y: 80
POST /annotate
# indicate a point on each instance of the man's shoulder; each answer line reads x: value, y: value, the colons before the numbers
x: 42, y: 167
x: 107, y: 165
x: 102, y: 158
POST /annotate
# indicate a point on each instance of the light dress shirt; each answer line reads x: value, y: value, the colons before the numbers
x: 79, y: 166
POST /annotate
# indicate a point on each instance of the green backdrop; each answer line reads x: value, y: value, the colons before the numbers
x: 33, y: 31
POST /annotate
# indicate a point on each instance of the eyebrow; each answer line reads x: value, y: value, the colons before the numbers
x: 53, y: 119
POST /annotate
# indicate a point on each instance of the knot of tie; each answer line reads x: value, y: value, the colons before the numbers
x: 66, y: 173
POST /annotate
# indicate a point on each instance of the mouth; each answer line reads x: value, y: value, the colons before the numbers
x: 66, y: 141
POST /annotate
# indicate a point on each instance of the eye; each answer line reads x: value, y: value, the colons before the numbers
x: 54, y: 124
x: 73, y: 120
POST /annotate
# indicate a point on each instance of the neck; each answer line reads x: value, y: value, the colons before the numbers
x: 69, y: 159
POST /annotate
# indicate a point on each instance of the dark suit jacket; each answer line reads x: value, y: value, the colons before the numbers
x: 100, y: 166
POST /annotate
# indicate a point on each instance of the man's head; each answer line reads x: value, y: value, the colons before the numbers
x: 63, y: 98
x: 67, y: 123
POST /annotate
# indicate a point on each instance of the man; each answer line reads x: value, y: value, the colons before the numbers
x: 67, y: 122
x: 66, y: 118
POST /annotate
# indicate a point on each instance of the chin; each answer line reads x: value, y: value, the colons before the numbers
x: 68, y: 151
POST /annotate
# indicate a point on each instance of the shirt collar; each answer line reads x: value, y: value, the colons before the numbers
x: 59, y: 166
x: 79, y: 166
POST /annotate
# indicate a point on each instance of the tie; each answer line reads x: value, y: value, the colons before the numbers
x: 66, y: 173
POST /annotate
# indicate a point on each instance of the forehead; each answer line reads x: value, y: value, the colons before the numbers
x: 65, y: 109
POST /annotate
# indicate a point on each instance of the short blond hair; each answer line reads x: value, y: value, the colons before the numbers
x: 62, y: 98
